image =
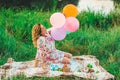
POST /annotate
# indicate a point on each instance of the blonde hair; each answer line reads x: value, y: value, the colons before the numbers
x: 36, y: 33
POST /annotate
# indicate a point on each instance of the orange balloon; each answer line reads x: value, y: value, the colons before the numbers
x: 70, y: 10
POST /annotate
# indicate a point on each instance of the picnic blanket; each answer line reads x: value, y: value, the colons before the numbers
x: 86, y: 66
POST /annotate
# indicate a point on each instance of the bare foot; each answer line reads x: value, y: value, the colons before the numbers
x: 66, y: 60
x: 68, y: 55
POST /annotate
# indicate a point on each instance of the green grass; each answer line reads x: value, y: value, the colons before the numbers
x: 47, y: 78
x: 98, y: 35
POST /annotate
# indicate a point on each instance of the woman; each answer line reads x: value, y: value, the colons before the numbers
x: 46, y: 51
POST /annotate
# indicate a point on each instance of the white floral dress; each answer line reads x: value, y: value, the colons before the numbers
x: 46, y: 50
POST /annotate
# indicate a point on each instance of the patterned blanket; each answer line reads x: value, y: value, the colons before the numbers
x: 85, y: 66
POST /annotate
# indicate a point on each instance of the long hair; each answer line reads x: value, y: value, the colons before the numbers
x: 36, y: 33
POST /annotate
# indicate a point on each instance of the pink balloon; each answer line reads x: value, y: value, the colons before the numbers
x: 58, y: 33
x: 72, y: 24
x: 57, y: 19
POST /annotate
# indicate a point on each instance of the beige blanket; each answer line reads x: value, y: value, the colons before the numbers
x: 85, y: 69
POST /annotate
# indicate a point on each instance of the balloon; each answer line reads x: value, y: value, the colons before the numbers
x: 58, y: 33
x: 67, y: 32
x: 70, y: 10
x: 72, y: 24
x: 57, y: 19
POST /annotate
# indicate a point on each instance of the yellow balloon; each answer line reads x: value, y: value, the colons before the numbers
x: 70, y: 10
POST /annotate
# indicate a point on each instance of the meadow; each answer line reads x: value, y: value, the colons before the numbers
x: 98, y: 35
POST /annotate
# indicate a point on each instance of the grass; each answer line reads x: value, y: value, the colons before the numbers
x: 45, y: 78
x: 98, y: 35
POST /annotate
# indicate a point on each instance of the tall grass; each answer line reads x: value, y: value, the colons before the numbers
x: 31, y: 4
x: 98, y: 35
x: 46, y: 5
x: 101, y: 21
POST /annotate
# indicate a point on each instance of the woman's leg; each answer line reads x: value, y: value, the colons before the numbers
x: 36, y: 63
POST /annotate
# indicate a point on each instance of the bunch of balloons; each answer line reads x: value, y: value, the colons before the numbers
x: 65, y: 22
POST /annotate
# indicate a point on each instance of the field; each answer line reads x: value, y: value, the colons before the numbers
x: 98, y: 35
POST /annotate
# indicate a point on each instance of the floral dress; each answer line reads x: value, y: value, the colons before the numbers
x: 46, y: 50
